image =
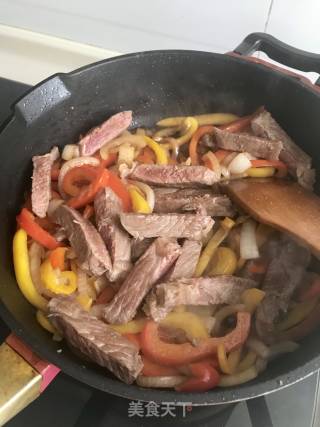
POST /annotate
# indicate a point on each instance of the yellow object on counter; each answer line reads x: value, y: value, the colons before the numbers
x: 192, y: 324
x: 56, y: 281
x: 132, y: 327
x: 159, y: 151
x: 139, y: 203
x: 224, y: 261
x: 251, y: 298
x: 22, y: 271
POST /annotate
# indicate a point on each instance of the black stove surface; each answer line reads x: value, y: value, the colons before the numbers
x: 69, y: 403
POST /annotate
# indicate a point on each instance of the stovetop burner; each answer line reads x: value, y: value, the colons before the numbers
x: 69, y: 403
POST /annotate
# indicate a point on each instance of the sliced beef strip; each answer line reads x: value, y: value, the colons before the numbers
x: 180, y: 226
x: 195, y: 291
x: 187, y: 261
x: 283, y: 276
x: 299, y: 162
x: 174, y: 175
x: 139, y: 246
x: 94, y: 339
x: 189, y: 199
x: 242, y: 142
x: 41, y: 181
x: 107, y: 208
x: 85, y: 240
x: 108, y: 130
x: 146, y: 272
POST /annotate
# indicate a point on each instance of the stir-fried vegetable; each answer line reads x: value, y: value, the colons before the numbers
x: 248, y: 361
x: 57, y: 258
x: 203, y: 130
x: 152, y: 369
x: 192, y: 324
x: 56, y: 281
x: 277, y: 164
x: 202, y: 119
x: 27, y: 221
x: 204, y: 377
x: 212, y: 245
x: 297, y: 314
x: 248, y: 241
x: 251, y: 298
x: 224, y: 261
x: 45, y: 322
x: 160, y: 153
x: 160, y: 382
x: 22, y: 271
x: 132, y: 327
x: 138, y: 202
x: 239, y: 378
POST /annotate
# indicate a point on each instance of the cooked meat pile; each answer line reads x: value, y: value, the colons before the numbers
x: 148, y: 235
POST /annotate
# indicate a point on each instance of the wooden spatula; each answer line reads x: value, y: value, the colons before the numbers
x: 283, y: 204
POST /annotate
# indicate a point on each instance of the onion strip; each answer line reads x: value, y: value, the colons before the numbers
x: 239, y: 378
x: 138, y: 141
x: 223, y: 313
x: 258, y: 347
x: 160, y: 382
x: 248, y: 241
x: 148, y: 192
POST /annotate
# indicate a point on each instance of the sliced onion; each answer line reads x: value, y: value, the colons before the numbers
x: 240, y: 378
x: 248, y: 241
x: 258, y: 347
x: 213, y: 161
x: 261, y: 364
x: 239, y: 164
x: 225, y: 172
x: 74, y: 163
x: 147, y: 190
x: 223, y: 313
x: 160, y: 382
x: 53, y: 205
x: 282, y: 348
x: 228, y: 159
x: 137, y: 141
x: 70, y: 151
x: 126, y: 155
x: 250, y: 156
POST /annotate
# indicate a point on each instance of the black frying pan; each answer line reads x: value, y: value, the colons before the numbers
x: 154, y: 85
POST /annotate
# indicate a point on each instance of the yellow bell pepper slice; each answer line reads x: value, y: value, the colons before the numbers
x: 45, y: 322
x: 248, y: 361
x: 251, y: 298
x: 139, y: 203
x: 224, y: 261
x: 202, y: 119
x: 159, y: 151
x: 297, y: 315
x: 212, y: 245
x: 261, y: 172
x: 22, y: 271
x: 192, y: 324
x: 85, y: 301
x: 64, y: 282
x: 132, y: 327
x: 234, y: 360
x: 223, y: 360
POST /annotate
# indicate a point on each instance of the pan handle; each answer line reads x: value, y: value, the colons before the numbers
x: 280, y: 52
x: 23, y: 377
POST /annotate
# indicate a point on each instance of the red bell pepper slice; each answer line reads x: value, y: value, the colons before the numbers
x: 134, y: 338
x: 204, y: 377
x: 169, y: 354
x: 121, y: 191
x: 152, y: 369
x: 105, y: 163
x: 27, y: 221
x: 193, y: 146
x: 78, y: 179
x: 242, y: 123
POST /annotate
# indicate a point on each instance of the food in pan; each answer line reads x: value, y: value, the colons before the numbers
x: 130, y: 250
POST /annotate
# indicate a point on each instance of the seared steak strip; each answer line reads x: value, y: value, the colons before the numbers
x: 146, y: 272
x: 258, y: 147
x: 41, y: 181
x: 299, y: 162
x: 95, y: 339
x: 187, y: 261
x: 195, y: 291
x: 283, y: 276
x: 139, y: 246
x: 101, y: 135
x: 188, y: 226
x: 87, y: 243
x: 174, y: 175
x: 107, y: 208
x: 169, y: 200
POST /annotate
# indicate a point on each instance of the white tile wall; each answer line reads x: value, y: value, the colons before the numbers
x: 133, y: 25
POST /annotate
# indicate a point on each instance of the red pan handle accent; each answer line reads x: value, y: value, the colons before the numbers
x: 47, y: 370
x: 23, y: 377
